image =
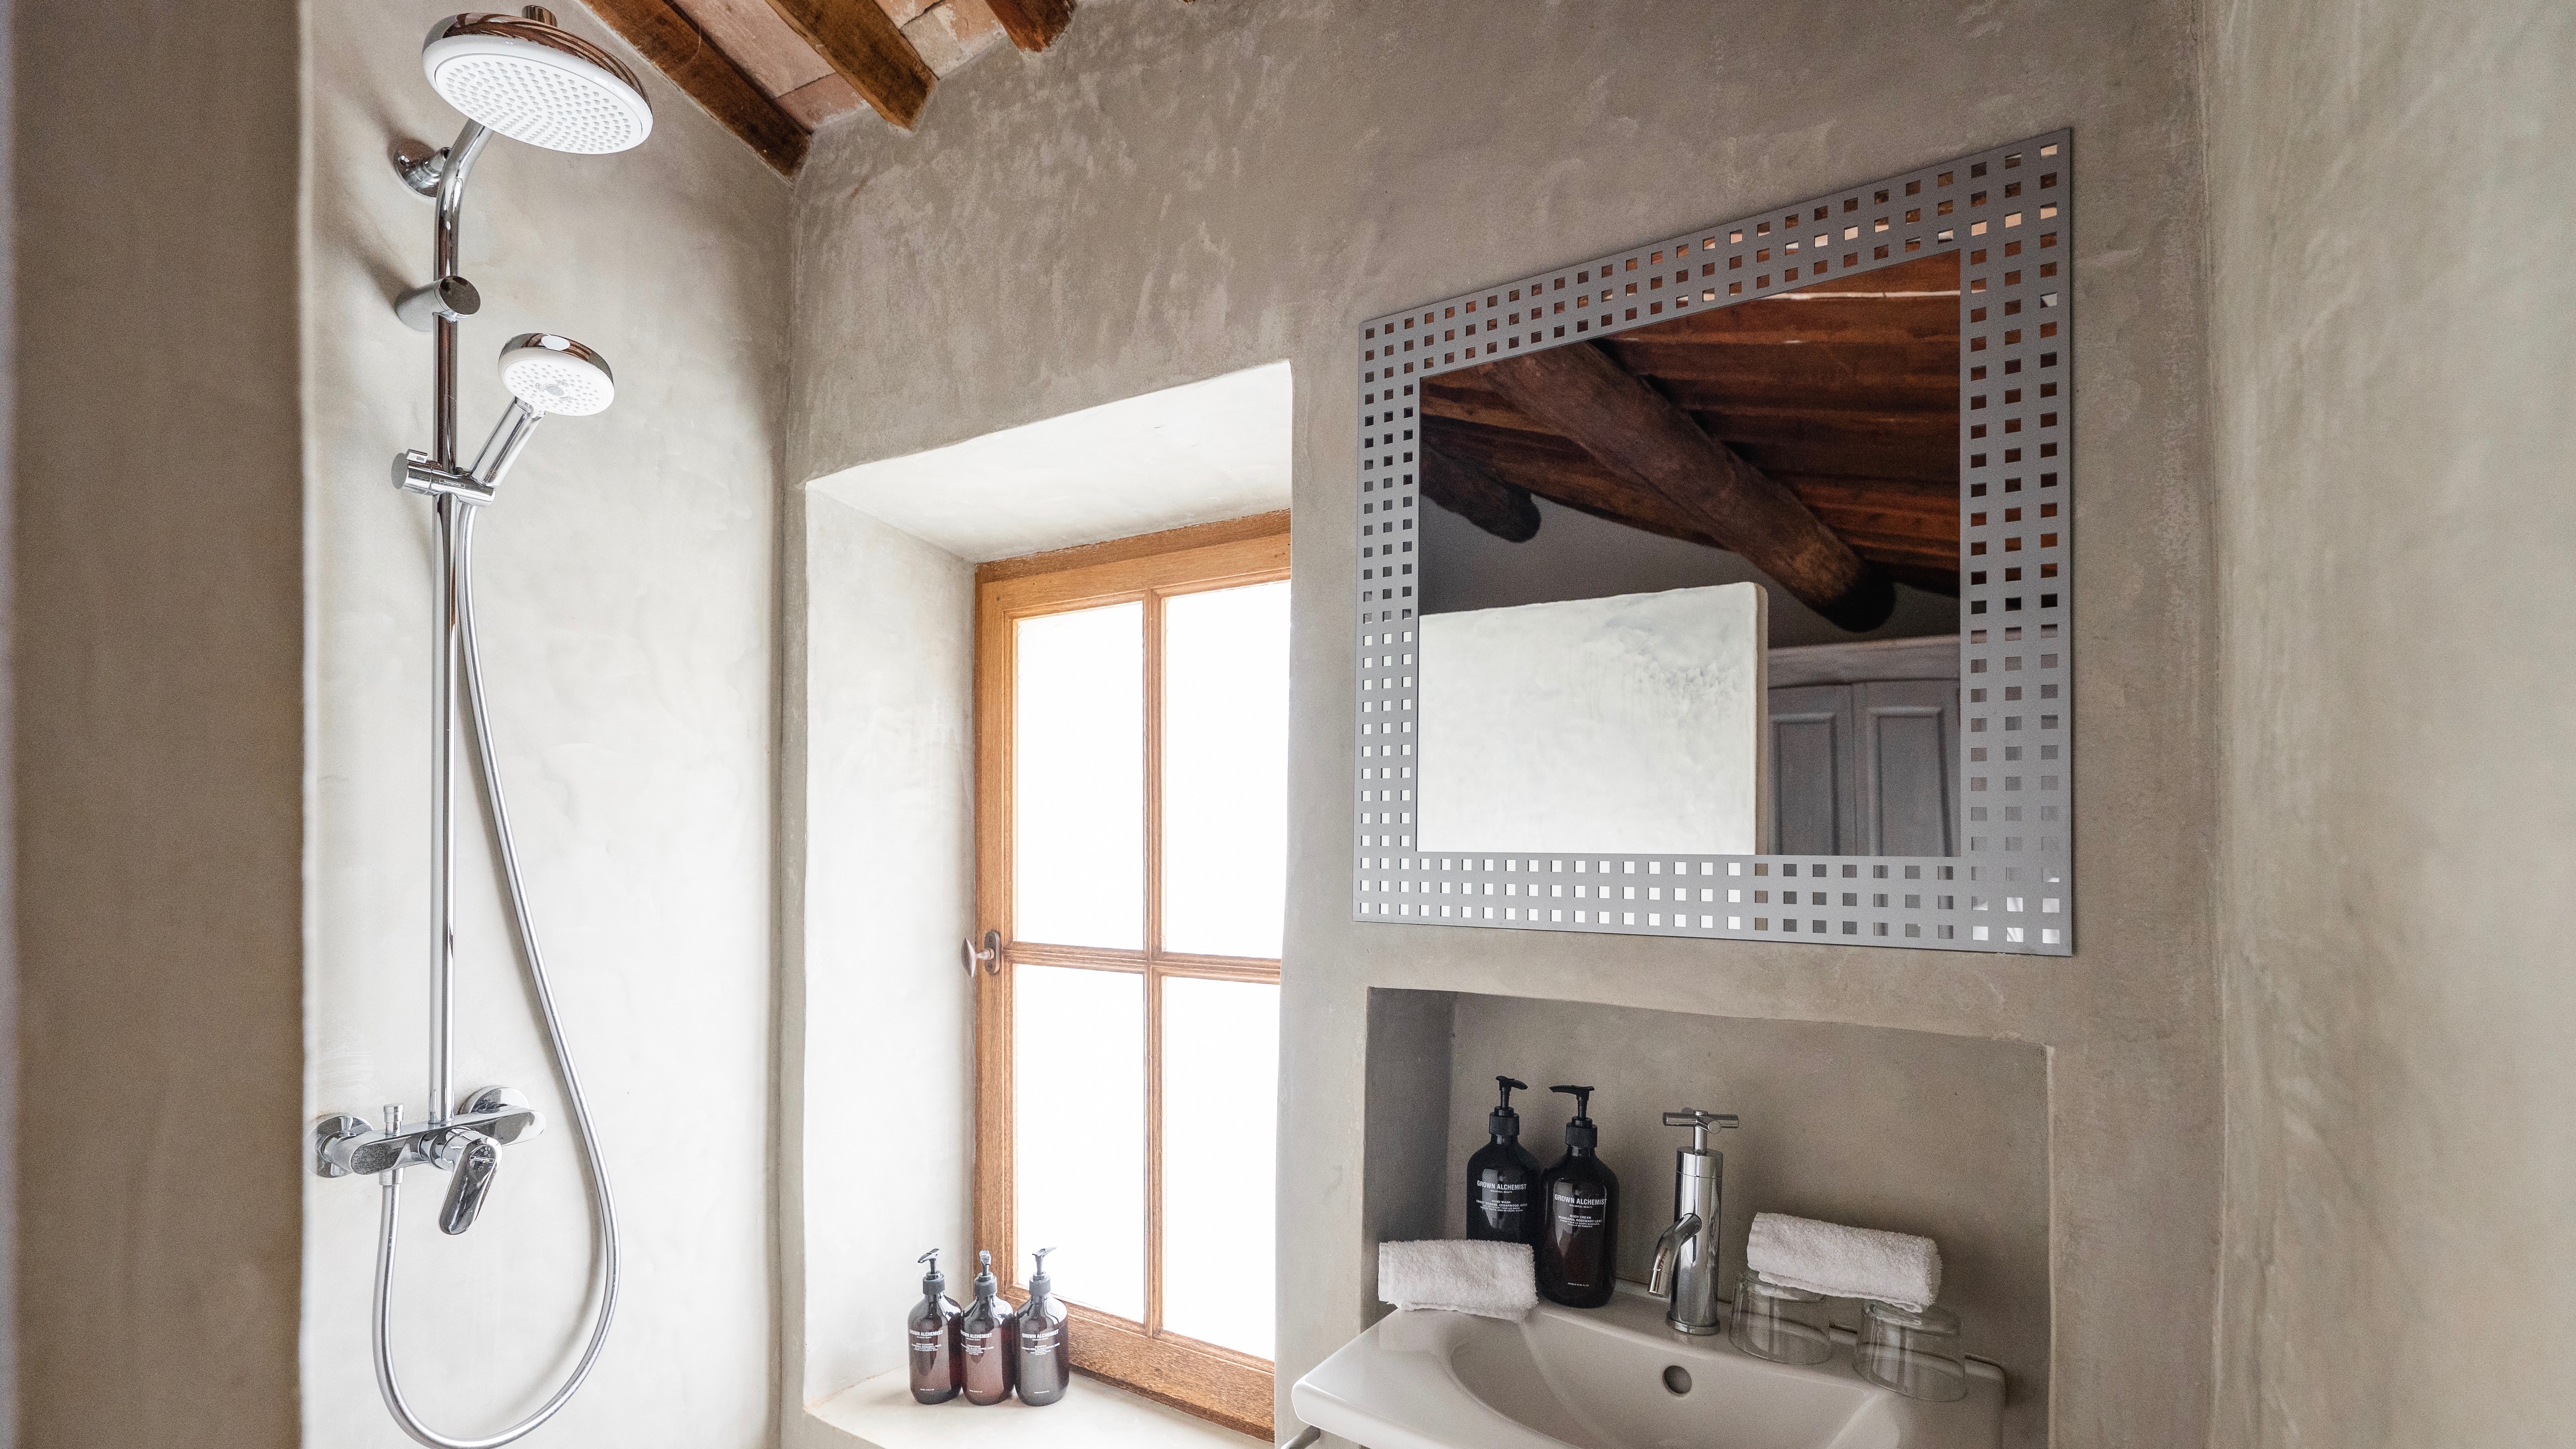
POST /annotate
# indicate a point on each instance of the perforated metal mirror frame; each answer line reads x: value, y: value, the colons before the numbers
x: 2005, y: 210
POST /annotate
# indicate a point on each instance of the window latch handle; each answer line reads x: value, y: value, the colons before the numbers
x: 990, y: 955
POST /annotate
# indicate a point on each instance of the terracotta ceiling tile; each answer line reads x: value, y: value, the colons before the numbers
x: 775, y: 57
x: 904, y: 12
x: 950, y: 33
x: 818, y: 101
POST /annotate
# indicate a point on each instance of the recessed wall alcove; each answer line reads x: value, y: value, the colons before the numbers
x: 1874, y: 1126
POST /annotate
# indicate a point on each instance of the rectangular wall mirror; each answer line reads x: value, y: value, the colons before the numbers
x: 1720, y: 587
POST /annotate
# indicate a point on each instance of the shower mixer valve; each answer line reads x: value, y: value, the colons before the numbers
x: 468, y: 1144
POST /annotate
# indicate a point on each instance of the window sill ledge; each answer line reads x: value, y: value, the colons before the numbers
x: 880, y: 1413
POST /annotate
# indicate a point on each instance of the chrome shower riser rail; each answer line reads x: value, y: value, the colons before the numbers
x: 467, y: 1137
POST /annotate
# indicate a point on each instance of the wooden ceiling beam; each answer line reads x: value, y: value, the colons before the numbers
x: 1032, y: 25
x: 1636, y: 432
x: 672, y: 44
x: 1925, y: 538
x: 862, y: 43
x: 1828, y: 481
x: 1464, y: 489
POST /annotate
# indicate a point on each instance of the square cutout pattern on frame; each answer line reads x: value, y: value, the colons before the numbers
x: 2009, y: 213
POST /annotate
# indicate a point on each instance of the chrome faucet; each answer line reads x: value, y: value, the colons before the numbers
x: 1686, y: 1254
x: 467, y: 1143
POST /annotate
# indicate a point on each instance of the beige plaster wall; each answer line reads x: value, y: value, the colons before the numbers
x: 2393, y: 327
x: 626, y: 586
x: 878, y: 1043
x: 1175, y: 192
x: 158, y: 709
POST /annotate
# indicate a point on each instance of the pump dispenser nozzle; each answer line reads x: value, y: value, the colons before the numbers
x: 1580, y: 1133
x: 1503, y: 1121
x: 932, y: 1284
x: 985, y: 1284
x: 1039, y: 1283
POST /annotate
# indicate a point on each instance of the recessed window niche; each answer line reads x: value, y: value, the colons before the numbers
x: 1877, y: 1127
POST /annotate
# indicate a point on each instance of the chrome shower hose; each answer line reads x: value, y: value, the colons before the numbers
x: 603, y: 1209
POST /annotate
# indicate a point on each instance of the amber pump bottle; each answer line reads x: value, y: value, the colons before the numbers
x: 1578, y: 1242
x: 1045, y: 1353
x: 985, y: 1340
x: 1502, y: 1178
x: 932, y: 1331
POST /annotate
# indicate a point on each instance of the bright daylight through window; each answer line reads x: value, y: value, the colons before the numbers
x: 1132, y: 819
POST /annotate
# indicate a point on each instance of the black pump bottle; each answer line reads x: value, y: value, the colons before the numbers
x: 988, y: 1340
x: 1046, y: 1355
x: 1502, y: 1178
x: 1578, y: 1243
x: 931, y: 1329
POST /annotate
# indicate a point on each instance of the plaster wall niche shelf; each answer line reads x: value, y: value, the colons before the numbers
x: 879, y: 1413
x: 1615, y: 1378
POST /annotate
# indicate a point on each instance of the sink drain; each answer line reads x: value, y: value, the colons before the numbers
x: 1677, y: 1379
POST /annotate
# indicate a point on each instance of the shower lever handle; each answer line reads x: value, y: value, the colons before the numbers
x: 476, y: 1158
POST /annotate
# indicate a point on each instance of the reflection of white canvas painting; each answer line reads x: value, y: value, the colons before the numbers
x: 1630, y: 725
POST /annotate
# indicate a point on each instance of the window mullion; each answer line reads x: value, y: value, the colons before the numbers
x: 1153, y: 955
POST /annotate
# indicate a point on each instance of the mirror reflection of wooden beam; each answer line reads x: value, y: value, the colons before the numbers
x: 862, y: 43
x: 1032, y: 25
x: 1464, y: 489
x: 673, y: 45
x: 1639, y: 434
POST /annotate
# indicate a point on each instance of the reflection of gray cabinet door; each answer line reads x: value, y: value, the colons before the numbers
x: 1907, y: 738
x: 1812, y: 802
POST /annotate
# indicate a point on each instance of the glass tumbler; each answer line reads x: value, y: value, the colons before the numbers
x: 1778, y: 1322
x: 1914, y: 1351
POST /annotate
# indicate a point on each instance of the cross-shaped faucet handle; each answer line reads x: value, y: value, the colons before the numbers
x: 1699, y: 1123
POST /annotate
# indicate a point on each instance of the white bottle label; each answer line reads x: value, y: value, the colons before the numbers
x: 927, y: 1342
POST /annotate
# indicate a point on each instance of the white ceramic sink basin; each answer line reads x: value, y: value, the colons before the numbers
x: 1595, y: 1379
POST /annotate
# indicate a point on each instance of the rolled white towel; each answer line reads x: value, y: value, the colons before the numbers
x: 1491, y: 1280
x: 1842, y: 1262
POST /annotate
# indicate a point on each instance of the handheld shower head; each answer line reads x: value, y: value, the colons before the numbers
x: 547, y: 374
x: 534, y: 81
x: 550, y: 374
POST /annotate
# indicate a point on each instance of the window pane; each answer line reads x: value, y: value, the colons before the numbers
x: 1078, y: 1132
x: 1225, y: 770
x: 1220, y: 1150
x: 1078, y: 779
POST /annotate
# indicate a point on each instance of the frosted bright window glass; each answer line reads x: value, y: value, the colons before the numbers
x: 1220, y: 1147
x: 1078, y: 1133
x: 1225, y: 770
x: 1078, y: 781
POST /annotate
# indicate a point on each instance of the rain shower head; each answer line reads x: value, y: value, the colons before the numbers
x: 533, y: 81
x: 553, y: 374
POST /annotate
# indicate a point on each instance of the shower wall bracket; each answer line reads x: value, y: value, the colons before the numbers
x: 420, y: 165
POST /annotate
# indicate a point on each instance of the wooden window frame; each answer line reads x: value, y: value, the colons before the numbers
x: 1219, y: 1384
